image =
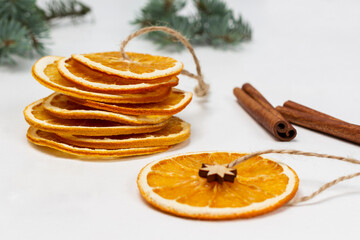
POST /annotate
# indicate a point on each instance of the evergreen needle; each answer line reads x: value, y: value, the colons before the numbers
x: 213, y: 24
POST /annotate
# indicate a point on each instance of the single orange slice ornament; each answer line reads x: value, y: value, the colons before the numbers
x: 140, y: 66
x: 174, y: 185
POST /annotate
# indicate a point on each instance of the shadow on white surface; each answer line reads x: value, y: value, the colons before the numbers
x: 342, y: 190
x: 327, y: 199
x: 179, y: 146
x: 326, y: 135
x: 22, y: 66
x: 68, y: 156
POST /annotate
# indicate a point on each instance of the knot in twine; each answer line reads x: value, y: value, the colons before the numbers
x: 296, y: 152
x: 202, y: 88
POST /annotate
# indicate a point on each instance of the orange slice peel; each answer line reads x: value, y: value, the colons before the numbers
x: 50, y: 140
x: 140, y: 66
x: 175, y: 103
x: 45, y: 72
x: 102, y: 82
x: 61, y: 106
x: 174, y: 132
x: 37, y: 117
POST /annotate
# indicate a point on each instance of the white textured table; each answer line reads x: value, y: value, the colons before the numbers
x: 306, y: 51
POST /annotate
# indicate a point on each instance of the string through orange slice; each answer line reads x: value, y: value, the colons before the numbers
x: 202, y: 88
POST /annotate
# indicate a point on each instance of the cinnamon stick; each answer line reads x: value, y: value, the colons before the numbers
x: 264, y: 113
x: 318, y: 121
x: 302, y: 108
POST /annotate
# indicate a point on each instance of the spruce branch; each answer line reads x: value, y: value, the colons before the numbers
x: 213, y: 24
x: 61, y: 9
x: 24, y: 27
x: 14, y: 40
x: 15, y: 8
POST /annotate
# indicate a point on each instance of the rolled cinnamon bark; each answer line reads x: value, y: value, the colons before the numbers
x: 318, y: 121
x: 302, y: 108
x: 264, y: 113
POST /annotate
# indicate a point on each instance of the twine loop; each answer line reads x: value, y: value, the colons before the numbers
x: 202, y: 88
x: 296, y: 152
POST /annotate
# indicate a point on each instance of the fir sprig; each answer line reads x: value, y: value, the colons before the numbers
x: 14, y: 40
x: 213, y: 24
x: 60, y: 9
x: 24, y: 26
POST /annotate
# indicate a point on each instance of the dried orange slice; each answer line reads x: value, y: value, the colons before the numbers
x: 61, y: 106
x: 46, y: 73
x: 99, y: 81
x: 175, y: 103
x: 174, y: 186
x: 176, y: 131
x: 37, y: 117
x: 140, y: 66
x: 48, y: 139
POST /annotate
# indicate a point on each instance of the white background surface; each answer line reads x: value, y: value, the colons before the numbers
x: 306, y: 51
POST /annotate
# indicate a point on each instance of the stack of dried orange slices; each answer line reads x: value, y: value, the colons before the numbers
x: 107, y: 106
